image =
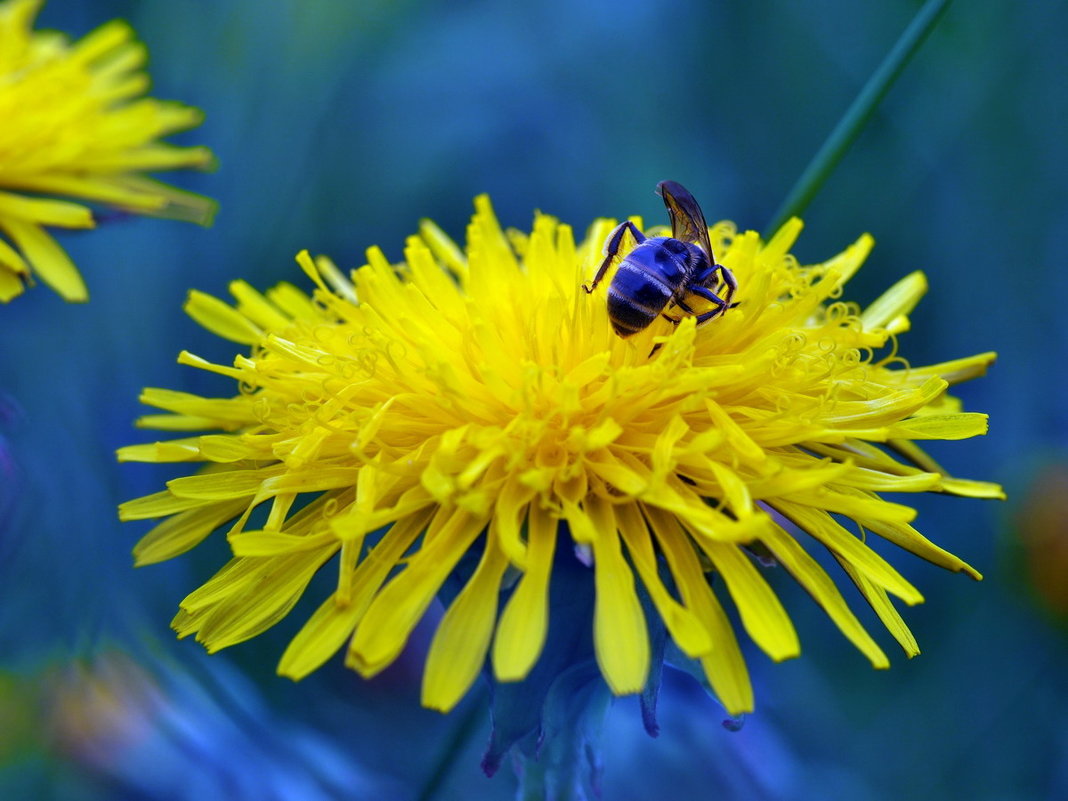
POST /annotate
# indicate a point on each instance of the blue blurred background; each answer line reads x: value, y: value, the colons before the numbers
x: 337, y: 126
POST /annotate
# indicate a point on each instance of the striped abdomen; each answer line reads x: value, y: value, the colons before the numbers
x: 646, y: 281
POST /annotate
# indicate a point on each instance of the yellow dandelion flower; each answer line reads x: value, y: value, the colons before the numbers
x: 477, y: 401
x: 76, y: 126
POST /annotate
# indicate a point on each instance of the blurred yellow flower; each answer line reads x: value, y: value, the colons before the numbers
x: 76, y: 126
x: 478, y: 401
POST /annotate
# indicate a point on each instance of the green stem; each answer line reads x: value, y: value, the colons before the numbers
x: 467, y: 726
x: 858, y: 113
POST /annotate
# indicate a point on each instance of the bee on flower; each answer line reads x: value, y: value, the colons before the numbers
x: 662, y: 271
x: 473, y: 415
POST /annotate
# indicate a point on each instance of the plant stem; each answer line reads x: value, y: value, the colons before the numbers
x: 858, y: 113
x: 466, y: 727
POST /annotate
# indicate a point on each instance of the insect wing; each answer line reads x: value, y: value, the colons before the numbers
x: 687, y: 222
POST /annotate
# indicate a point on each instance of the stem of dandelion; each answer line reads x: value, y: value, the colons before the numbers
x: 564, y: 762
x: 466, y: 728
x: 858, y: 113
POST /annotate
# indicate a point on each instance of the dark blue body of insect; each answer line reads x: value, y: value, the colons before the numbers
x: 664, y: 270
x: 654, y: 274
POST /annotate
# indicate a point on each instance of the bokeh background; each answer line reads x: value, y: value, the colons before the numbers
x: 338, y: 125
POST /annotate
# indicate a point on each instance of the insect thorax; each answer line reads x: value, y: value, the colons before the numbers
x: 667, y: 261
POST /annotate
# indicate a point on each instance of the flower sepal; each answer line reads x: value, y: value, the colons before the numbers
x: 564, y: 760
x: 523, y: 711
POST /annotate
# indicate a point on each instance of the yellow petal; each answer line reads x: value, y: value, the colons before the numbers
x: 616, y: 474
x: 841, y: 500
x: 103, y: 40
x: 685, y: 628
x: 179, y: 533
x: 943, y: 426
x: 50, y: 262
x: 900, y: 299
x: 846, y: 263
x: 761, y: 612
x: 525, y: 621
x: 256, y: 309
x: 221, y: 412
x: 743, y: 444
x: 398, y: 607
x: 724, y: 664
x: 734, y: 490
x: 905, y: 536
x: 876, y: 481
x: 971, y: 489
x: 10, y: 258
x: 813, y: 578
x: 620, y: 638
x: 221, y: 485
x: 957, y: 370
x: 271, y: 588
x: 177, y: 450
x: 824, y: 528
x: 462, y: 639
x: 222, y: 319
x: 103, y: 188
x: 42, y: 211
x: 443, y: 248
x: 782, y: 240
x: 884, y: 608
x: 511, y: 503
x: 275, y: 543
x: 11, y: 285
x: 148, y: 158
x: 328, y: 628
x: 159, y: 504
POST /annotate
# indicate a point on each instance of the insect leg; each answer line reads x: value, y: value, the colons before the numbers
x: 731, y: 283
x: 682, y: 305
x: 611, y: 248
x: 709, y: 295
x: 702, y: 277
x: 704, y: 317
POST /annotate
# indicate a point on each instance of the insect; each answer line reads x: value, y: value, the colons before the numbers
x: 663, y: 271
